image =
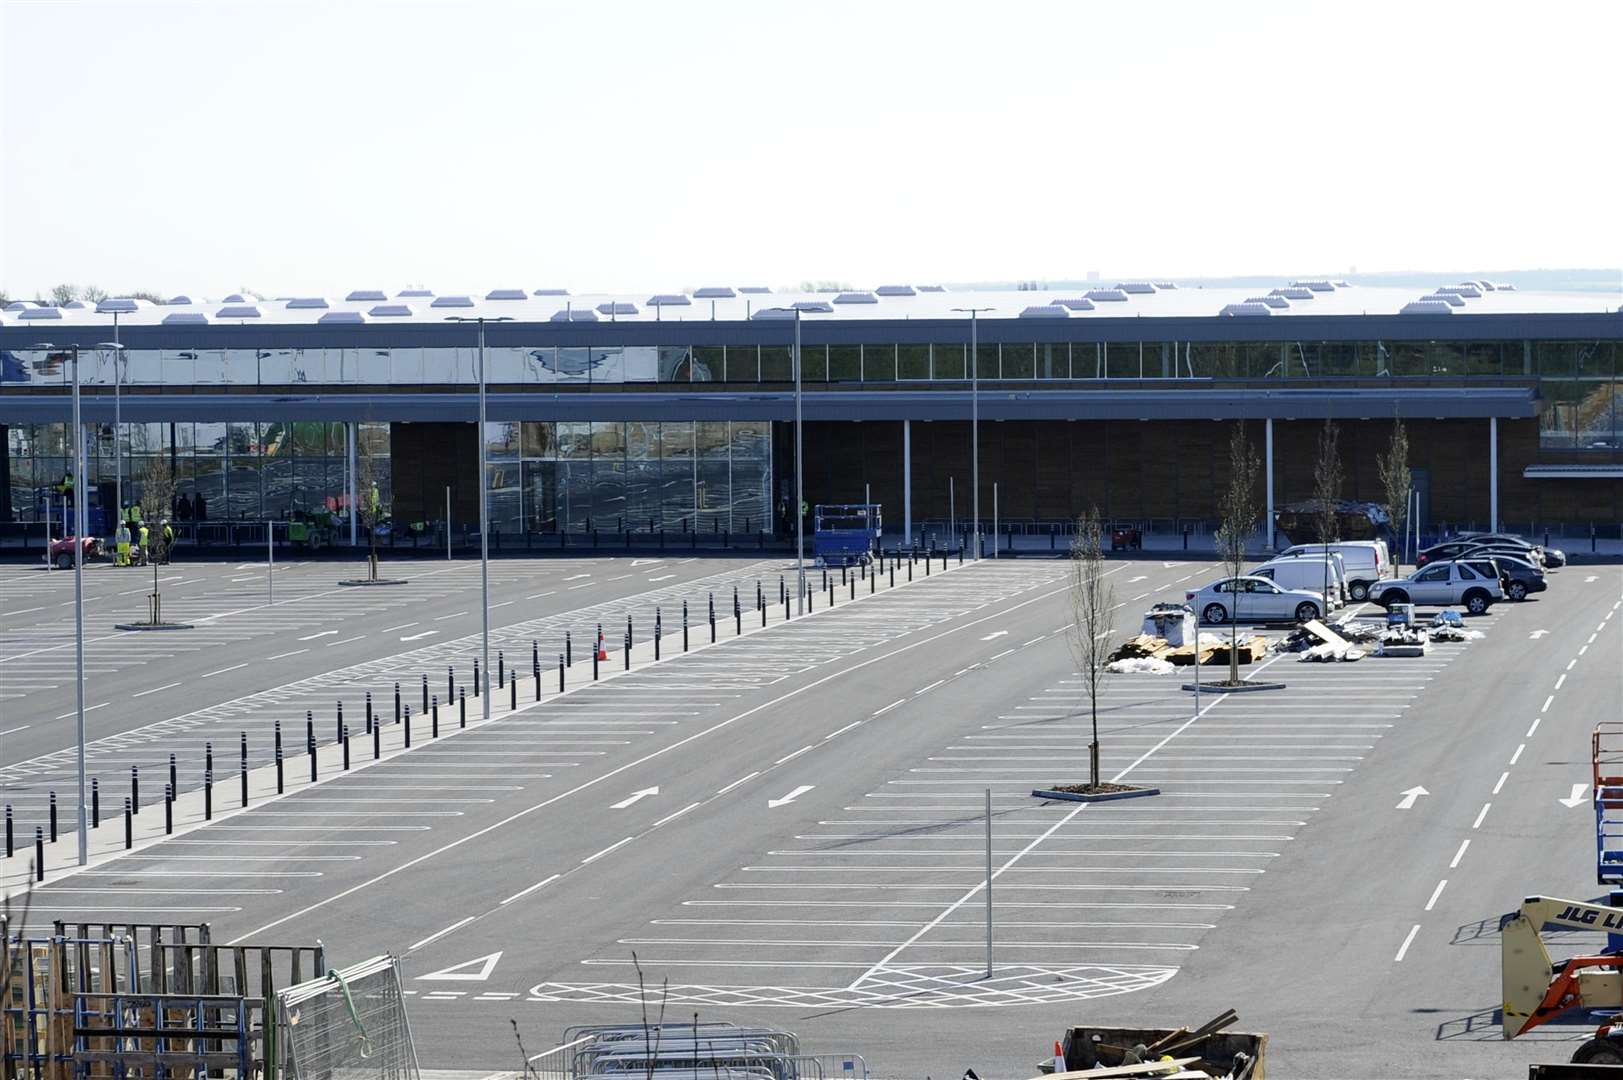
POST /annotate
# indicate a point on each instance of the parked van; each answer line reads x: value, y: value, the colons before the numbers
x: 1309, y: 572
x: 1366, y: 562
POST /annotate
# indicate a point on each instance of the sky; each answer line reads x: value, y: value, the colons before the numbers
x: 313, y: 148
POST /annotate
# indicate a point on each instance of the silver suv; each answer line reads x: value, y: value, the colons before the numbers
x: 1473, y: 583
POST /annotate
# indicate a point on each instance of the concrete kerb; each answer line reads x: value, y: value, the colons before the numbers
x: 106, y: 843
x: 154, y: 626
x: 1109, y: 796
x: 356, y: 583
x: 1219, y: 688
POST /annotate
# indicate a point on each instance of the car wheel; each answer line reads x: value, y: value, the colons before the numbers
x: 1476, y: 602
x: 1393, y: 596
x: 1306, y: 611
x: 1598, y: 1052
x: 1214, y: 615
x: 64, y: 561
x: 1517, y: 591
x: 1358, y: 590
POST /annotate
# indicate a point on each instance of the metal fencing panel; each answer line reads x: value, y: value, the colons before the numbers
x: 349, y: 1025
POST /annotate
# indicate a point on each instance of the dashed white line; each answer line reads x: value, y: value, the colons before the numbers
x: 740, y: 780
x: 1460, y: 854
x: 892, y: 705
x: 156, y: 689
x: 673, y: 817
x: 285, y: 655
x: 1435, y: 893
x: 531, y: 889
x: 1407, y: 941
x: 453, y: 615
x: 90, y: 708
x: 392, y: 629
x: 439, y: 934
x: 1502, y: 778
x: 605, y: 851
x: 788, y: 757
x: 1480, y: 814
x: 842, y: 730
x: 1547, y: 702
x: 927, y: 689
x: 345, y: 641
x: 1533, y: 728
x: 222, y: 671
x: 1570, y: 664
x: 1517, y: 756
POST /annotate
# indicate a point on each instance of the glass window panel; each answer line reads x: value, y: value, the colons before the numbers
x: 743, y: 363
x: 501, y: 440
x: 1562, y: 420
x: 309, y: 365
x: 179, y: 366
x: 642, y: 440
x: 1445, y: 358
x: 913, y: 362
x: 1555, y: 359
x: 539, y: 439
x: 574, y: 439
x: 751, y: 440
x: 711, y: 437
x: 947, y: 361
x: 309, y: 439
x: 210, y: 439
x: 574, y: 365
x: 1596, y: 359
x: 713, y: 496
x: 676, y: 439
x: 576, y: 488
x: 444, y: 367
x: 775, y: 366
x: 845, y: 363
x: 608, y: 439
x: 502, y: 493
x: 1054, y: 360
x: 1337, y: 359
x: 1019, y: 360
x: 676, y: 489
x: 879, y: 363
x: 208, y: 480
x: 540, y: 496
x: 1402, y: 358
x: 642, y: 493
x: 241, y: 489
x: 184, y: 440
x: 751, y: 495
x: 640, y: 364
x: 813, y: 363
x: 505, y: 365
x: 675, y: 364
x: 709, y: 364
x: 374, y: 440
x: 986, y: 360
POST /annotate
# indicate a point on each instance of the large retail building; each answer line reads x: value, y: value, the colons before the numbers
x: 676, y: 411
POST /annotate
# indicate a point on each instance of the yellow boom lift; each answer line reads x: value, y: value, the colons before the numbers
x: 1537, y: 990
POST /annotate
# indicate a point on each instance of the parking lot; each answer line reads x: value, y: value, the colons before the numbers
x: 789, y: 827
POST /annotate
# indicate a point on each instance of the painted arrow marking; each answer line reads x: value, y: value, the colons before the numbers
x: 460, y: 972
x: 1577, y: 796
x: 1170, y: 565
x: 418, y: 637
x: 1536, y: 634
x: 1411, y: 797
x: 636, y: 796
x: 1590, y: 578
x: 324, y: 633
x: 792, y: 796
x: 995, y: 634
x: 645, y: 562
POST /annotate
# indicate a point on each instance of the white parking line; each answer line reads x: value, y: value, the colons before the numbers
x: 1403, y: 950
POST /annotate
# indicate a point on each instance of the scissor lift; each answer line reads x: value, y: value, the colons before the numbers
x: 1606, y: 756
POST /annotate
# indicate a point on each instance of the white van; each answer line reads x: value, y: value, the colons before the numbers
x: 1310, y: 572
x: 1366, y: 562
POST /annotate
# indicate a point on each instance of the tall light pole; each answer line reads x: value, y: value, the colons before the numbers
x: 800, y: 497
x: 975, y: 416
x: 484, y: 518
x: 118, y: 427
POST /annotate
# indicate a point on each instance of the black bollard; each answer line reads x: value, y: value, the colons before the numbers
x: 684, y: 626
x: 244, y: 758
x: 208, y: 795
x: 338, y: 722
x: 377, y: 741
x: 738, y: 622
x: 281, y: 779
x: 425, y: 692
x: 135, y: 789
x: 407, y: 722
x: 39, y: 855
x: 462, y: 707
x: 627, y: 654
x: 501, y: 670
x: 397, y: 703
x: 785, y: 607
x: 369, y: 712
x: 595, y: 649
x: 168, y: 810
x: 310, y: 747
x: 478, y: 686
x: 450, y: 682
x: 562, y: 663
x: 656, y: 642
x: 208, y: 756
x: 892, y: 584
x: 512, y: 694
x: 345, y: 737
x: 173, y: 783
x: 53, y: 817
x: 434, y: 719
x: 95, y: 803
x: 535, y: 657
x: 631, y: 632
x: 10, y: 834
x: 129, y: 826
x: 569, y: 651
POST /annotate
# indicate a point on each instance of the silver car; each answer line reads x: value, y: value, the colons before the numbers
x: 1254, y: 599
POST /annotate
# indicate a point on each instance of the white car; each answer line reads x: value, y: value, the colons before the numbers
x: 1254, y: 599
x: 1473, y: 583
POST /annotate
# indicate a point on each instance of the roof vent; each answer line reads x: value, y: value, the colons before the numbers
x: 1426, y: 307
x: 366, y: 296
x: 714, y: 292
x: 39, y: 313
x: 1451, y: 299
x: 1343, y: 285
x: 240, y: 298
x: 856, y: 298
x: 1046, y: 311
x: 185, y: 318
x: 669, y: 300
x: 1105, y: 294
x: 181, y: 299
x: 1295, y: 292
x: 19, y: 305
x: 75, y: 304
x: 813, y: 307
x: 1314, y: 286
x: 1245, y: 311
x: 932, y: 288
x: 118, y: 303
x: 1164, y: 285
x: 506, y: 294
x: 390, y: 311
x: 330, y: 317
x: 306, y: 302
x: 1076, y: 303
x: 1275, y: 302
x: 774, y: 313
x: 616, y: 307
x: 237, y: 311
x: 416, y: 294
x: 574, y: 315
x: 1460, y: 290
x: 896, y: 290
x: 452, y: 301
x: 1136, y: 288
x: 551, y: 292
x: 754, y: 290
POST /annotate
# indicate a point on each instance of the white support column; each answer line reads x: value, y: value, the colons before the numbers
x: 1493, y: 474
x: 350, y: 437
x: 907, y: 480
x: 1268, y: 456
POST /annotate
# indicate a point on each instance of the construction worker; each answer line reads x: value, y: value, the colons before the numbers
x: 65, y: 488
x: 146, y: 552
x: 123, y: 541
x: 135, y: 517
x: 168, y: 540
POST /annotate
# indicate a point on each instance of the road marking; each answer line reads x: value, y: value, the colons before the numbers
x: 634, y: 798
x: 1547, y: 701
x: 1435, y: 893
x: 539, y: 595
x: 605, y: 851
x: 892, y: 705
x: 793, y: 795
x: 1577, y: 796
x: 1572, y: 663
x: 735, y: 783
x: 1590, y: 578
x: 843, y: 730
x: 504, y: 603
x: 285, y: 655
x: 927, y: 689
x: 1536, y: 634
x: 1480, y: 814
x: 418, y: 637
x: 487, y: 964
x: 995, y: 634
x: 453, y: 615
x: 143, y: 693
x: 1404, y: 948
x: 1533, y: 728
x: 1136, y: 580
x: 222, y: 671
x: 582, y: 585
x: 436, y: 936
x: 662, y: 577
x: 1562, y: 680
x: 1410, y: 797
x: 1502, y: 778
x: 531, y: 889
x: 323, y: 633
x: 673, y: 817
x: 1517, y: 756
x: 346, y: 641
x: 788, y: 757
x: 1460, y: 854
x: 392, y: 629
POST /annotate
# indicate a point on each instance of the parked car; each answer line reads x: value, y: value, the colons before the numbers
x: 1254, y: 599
x: 1366, y: 562
x: 1518, y: 577
x: 1480, y: 551
x: 62, y: 551
x: 1125, y: 536
x: 1453, y: 549
x: 1550, y: 557
x: 1472, y: 584
x: 1310, y: 572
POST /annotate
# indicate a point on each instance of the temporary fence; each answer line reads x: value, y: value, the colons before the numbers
x: 348, y: 1025
x: 691, y: 1051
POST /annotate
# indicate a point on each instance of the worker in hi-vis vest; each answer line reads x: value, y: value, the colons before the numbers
x: 123, y: 541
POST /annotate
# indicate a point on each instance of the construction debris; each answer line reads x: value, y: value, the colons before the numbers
x: 1206, y: 1053
x: 1139, y: 665
x: 1142, y: 645
x: 1173, y: 622
x: 1404, y: 641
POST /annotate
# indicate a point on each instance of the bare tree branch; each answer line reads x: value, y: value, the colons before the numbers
x: 1328, y: 476
x: 1239, y: 510
x: 1093, y: 601
x: 1396, y: 482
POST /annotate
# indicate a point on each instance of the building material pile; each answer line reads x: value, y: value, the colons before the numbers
x: 1206, y: 1053
x: 1404, y: 641
x: 1173, y: 622
x: 1139, y: 665
x: 1139, y: 646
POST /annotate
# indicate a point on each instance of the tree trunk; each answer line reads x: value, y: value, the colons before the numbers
x: 1093, y: 748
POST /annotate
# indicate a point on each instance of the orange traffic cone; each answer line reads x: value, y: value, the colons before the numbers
x: 1059, y: 1058
x: 602, y: 653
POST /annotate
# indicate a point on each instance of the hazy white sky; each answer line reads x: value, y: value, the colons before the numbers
x: 467, y: 144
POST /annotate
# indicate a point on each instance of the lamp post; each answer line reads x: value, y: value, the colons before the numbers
x: 800, y: 497
x: 484, y: 518
x: 975, y: 417
x: 118, y: 426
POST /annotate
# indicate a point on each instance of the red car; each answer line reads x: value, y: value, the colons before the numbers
x: 1125, y: 537
x: 62, y: 551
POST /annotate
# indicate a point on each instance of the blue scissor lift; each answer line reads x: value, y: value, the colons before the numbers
x: 1606, y: 757
x: 844, y: 534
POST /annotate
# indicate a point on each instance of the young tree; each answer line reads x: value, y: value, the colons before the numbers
x: 157, y: 496
x: 1238, y: 511
x: 63, y: 294
x: 1327, y: 479
x: 370, y: 512
x: 1092, y: 602
x: 1396, y: 482
x: 91, y: 294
